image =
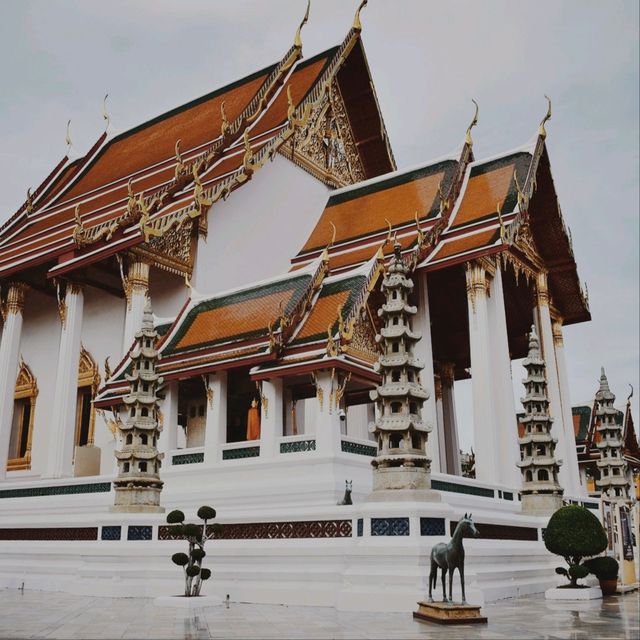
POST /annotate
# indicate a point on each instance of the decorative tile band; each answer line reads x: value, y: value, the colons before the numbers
x: 432, y: 526
x: 50, y: 533
x: 490, y: 531
x: 453, y: 487
x: 136, y: 532
x: 358, y: 448
x: 276, y: 530
x: 360, y: 525
x: 241, y: 452
x: 389, y: 526
x: 297, y: 446
x: 68, y: 489
x: 591, y: 505
x: 111, y: 533
x: 188, y: 458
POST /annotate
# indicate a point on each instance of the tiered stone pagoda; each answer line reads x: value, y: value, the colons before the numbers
x: 613, y: 481
x: 402, y: 462
x: 138, y: 484
x: 541, y: 491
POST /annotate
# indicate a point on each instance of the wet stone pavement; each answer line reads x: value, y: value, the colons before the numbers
x: 37, y: 614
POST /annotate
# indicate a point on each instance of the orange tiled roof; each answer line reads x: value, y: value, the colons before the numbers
x: 463, y: 244
x: 361, y: 211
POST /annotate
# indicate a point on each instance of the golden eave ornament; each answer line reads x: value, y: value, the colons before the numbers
x: 468, y: 140
x: 542, y: 132
x: 105, y: 115
x: 357, y: 25
x: 297, y: 41
x: 67, y: 137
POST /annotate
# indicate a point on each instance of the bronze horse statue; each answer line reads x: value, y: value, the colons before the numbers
x: 450, y: 556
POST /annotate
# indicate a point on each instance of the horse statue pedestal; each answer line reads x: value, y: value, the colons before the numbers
x: 445, y: 613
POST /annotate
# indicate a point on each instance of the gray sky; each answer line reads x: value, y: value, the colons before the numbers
x: 428, y: 59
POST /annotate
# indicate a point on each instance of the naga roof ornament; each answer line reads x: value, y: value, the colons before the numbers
x: 542, y: 132
x: 468, y: 140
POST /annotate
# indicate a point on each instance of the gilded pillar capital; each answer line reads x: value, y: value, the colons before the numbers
x: 137, y: 279
x: 437, y: 386
x: 556, y: 329
x: 447, y: 373
x: 542, y: 288
x: 478, y: 273
x: 14, y: 302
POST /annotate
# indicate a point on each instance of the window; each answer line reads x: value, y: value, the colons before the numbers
x: 143, y: 438
x: 125, y: 467
x: 88, y: 383
x: 129, y: 439
x: 396, y: 407
x: 142, y: 466
x: 26, y: 392
x: 395, y: 376
x: 543, y: 474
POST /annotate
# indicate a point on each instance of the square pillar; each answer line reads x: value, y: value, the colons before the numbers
x: 327, y: 431
x: 63, y: 412
x: 571, y: 461
x: 451, y: 444
x: 216, y: 425
x: 168, y: 440
x: 136, y: 288
x: 424, y: 351
x: 507, y: 426
x: 566, y: 446
x: 9, y: 349
x: 271, y: 417
x: 484, y: 412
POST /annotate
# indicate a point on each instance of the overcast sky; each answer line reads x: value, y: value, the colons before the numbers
x: 428, y: 59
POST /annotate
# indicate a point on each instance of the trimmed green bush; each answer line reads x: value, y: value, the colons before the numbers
x: 196, y: 536
x: 174, y: 517
x: 603, y: 567
x: 181, y: 559
x: 206, y: 513
x: 574, y: 533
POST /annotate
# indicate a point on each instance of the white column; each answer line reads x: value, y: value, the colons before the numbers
x: 451, y: 443
x: 507, y: 426
x: 327, y: 431
x: 558, y: 431
x: 136, y: 291
x: 63, y: 413
x: 484, y: 423
x: 440, y: 422
x: 578, y: 488
x: 168, y: 440
x: 9, y: 349
x: 271, y: 418
x: 216, y: 427
x: 424, y: 351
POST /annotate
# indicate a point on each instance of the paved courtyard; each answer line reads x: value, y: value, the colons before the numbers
x: 37, y: 614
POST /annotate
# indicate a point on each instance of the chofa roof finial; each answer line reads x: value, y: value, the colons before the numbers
x: 67, y: 137
x: 468, y: 140
x: 541, y: 130
x: 297, y: 42
x: 105, y: 115
x: 357, y: 25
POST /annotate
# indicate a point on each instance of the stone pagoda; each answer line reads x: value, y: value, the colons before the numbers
x: 402, y: 464
x: 138, y: 483
x: 541, y: 492
x: 613, y: 482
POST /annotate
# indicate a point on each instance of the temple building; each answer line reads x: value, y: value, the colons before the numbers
x: 268, y: 227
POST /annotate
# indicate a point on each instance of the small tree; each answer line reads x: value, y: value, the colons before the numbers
x: 196, y: 536
x: 574, y: 533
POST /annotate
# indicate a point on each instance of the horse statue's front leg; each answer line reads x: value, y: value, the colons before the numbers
x: 433, y: 576
x: 461, y: 570
x: 444, y: 586
x: 451, y: 570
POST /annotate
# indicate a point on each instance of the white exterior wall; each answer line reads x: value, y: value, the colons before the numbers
x: 39, y: 344
x: 102, y: 331
x: 256, y: 232
x: 168, y: 293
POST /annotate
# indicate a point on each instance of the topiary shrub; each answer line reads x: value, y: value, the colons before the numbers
x: 574, y: 533
x: 603, y: 567
x: 196, y: 536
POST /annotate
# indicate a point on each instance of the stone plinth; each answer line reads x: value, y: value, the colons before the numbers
x: 541, y: 504
x: 137, y: 500
x: 401, y: 478
x: 445, y: 613
x: 587, y: 593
